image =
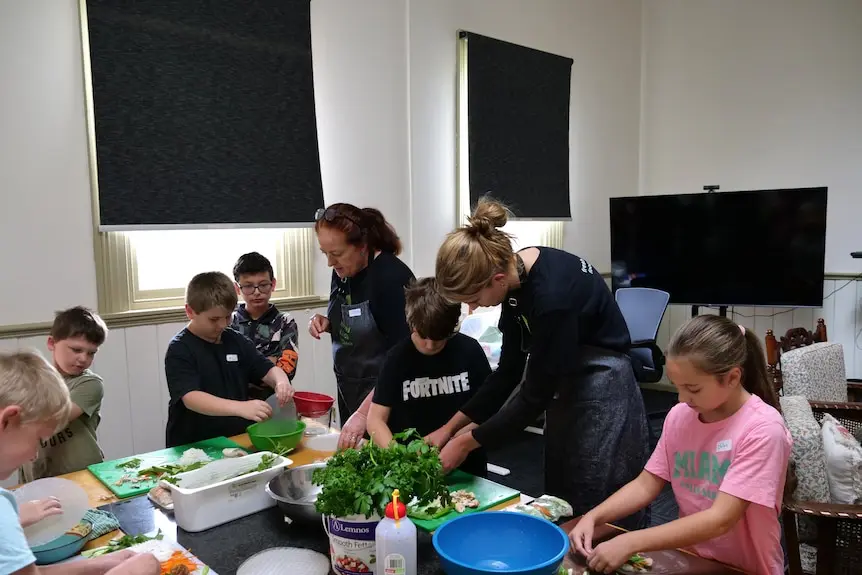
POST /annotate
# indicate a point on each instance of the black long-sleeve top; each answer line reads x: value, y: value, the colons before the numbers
x: 563, y: 304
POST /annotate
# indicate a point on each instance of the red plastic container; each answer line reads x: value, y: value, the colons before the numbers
x: 310, y: 404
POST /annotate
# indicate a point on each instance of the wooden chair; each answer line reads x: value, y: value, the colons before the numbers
x: 839, y: 527
x: 795, y: 338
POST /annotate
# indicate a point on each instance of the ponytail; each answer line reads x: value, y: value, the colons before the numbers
x: 755, y: 378
x: 379, y: 234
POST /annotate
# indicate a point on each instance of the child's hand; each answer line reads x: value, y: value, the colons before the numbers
x: 582, y: 535
x: 438, y: 438
x: 318, y: 325
x: 284, y: 392
x: 34, y: 511
x: 610, y: 555
x: 254, y: 410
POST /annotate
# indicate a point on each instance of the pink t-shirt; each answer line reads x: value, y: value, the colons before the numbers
x: 744, y: 456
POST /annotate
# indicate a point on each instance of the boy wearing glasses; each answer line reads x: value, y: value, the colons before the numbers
x: 274, y: 333
x: 429, y: 376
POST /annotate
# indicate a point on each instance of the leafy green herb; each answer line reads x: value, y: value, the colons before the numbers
x: 171, y: 479
x: 158, y: 471
x: 130, y: 464
x: 360, y: 482
x: 266, y: 461
x: 120, y: 543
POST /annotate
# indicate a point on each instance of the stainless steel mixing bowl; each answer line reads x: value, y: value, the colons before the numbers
x: 295, y: 494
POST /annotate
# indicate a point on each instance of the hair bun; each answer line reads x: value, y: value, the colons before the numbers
x: 487, y: 217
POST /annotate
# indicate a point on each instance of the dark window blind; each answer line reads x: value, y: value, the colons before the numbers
x: 518, y: 126
x: 204, y: 112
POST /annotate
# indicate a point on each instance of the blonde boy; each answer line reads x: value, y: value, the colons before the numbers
x: 209, y: 367
x: 34, y: 402
x: 76, y: 335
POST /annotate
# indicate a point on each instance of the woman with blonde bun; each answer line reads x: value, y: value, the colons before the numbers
x: 564, y: 335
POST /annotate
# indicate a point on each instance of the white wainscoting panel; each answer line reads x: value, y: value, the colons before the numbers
x: 131, y: 362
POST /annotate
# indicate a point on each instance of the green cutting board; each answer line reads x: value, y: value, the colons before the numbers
x: 108, y: 473
x: 488, y: 493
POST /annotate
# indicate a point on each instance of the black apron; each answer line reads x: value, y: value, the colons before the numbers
x: 596, y: 430
x: 358, y: 349
x: 596, y: 433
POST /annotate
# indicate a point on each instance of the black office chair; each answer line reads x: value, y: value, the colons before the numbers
x: 643, y: 310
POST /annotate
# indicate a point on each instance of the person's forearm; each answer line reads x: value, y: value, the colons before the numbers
x: 275, y: 376
x: 95, y: 566
x: 632, y: 497
x: 684, y: 532
x: 457, y: 423
x: 366, y: 404
x: 208, y: 404
x: 466, y: 429
x: 379, y: 432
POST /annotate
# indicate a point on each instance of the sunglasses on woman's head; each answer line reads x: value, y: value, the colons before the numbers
x: 330, y: 214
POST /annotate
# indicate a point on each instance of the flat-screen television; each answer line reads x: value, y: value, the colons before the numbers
x: 754, y: 248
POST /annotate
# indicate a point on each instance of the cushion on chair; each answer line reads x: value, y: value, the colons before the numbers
x: 808, y: 455
x: 816, y: 372
x: 843, y: 462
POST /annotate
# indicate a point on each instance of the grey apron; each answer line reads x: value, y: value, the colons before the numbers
x: 596, y: 433
x: 358, y: 349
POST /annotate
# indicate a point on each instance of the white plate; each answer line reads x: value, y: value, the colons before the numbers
x: 73, y: 500
x: 327, y: 442
x: 273, y: 562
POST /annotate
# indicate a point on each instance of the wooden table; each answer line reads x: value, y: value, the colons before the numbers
x: 672, y: 562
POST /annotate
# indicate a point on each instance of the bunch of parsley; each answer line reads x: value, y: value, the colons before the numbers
x: 360, y: 482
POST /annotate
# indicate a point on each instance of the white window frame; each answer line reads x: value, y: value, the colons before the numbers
x: 552, y: 232
x: 118, y: 285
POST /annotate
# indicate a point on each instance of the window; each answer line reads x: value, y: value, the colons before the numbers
x: 142, y: 270
x: 525, y: 232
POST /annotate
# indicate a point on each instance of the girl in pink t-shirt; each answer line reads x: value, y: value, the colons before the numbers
x: 724, y: 449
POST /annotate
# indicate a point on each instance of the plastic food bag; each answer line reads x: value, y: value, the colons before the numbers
x: 223, y: 469
x: 547, y: 506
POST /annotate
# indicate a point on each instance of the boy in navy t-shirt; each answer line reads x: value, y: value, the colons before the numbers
x: 427, y: 377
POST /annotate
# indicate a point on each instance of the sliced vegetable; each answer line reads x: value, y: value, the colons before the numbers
x: 133, y: 463
x: 121, y: 543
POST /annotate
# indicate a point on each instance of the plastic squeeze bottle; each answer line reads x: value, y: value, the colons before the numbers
x: 395, y: 539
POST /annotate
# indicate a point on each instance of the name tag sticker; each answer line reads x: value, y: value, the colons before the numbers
x: 723, y: 445
x: 232, y: 357
x: 355, y: 312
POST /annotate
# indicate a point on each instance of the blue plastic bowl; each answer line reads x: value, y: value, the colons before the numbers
x: 59, y: 549
x: 500, y: 542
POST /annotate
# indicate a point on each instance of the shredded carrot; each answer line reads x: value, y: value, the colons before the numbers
x: 177, y: 559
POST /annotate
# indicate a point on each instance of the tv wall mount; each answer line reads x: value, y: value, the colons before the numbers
x: 722, y: 309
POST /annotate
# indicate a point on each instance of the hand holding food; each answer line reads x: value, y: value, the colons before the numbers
x: 438, y: 438
x: 318, y: 325
x: 353, y: 431
x: 582, y: 535
x: 615, y: 554
x: 254, y: 410
x: 284, y: 392
x: 454, y: 454
x: 34, y: 511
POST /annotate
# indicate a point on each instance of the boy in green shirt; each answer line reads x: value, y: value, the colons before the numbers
x: 75, y: 338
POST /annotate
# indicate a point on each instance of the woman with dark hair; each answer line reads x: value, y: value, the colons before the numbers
x: 365, y: 317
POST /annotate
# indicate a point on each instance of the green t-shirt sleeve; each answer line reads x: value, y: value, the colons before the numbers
x: 87, y: 394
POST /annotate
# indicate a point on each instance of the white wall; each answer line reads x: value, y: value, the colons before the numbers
x: 45, y: 210
x: 603, y: 38
x: 755, y: 95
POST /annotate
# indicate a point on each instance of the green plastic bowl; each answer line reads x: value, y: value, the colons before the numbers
x: 276, y: 434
